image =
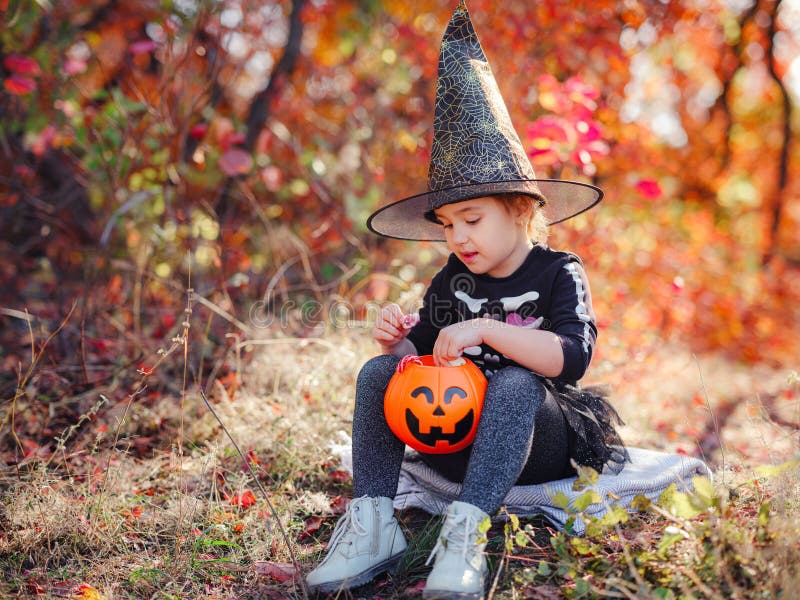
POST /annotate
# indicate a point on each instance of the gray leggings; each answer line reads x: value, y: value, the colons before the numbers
x: 522, y: 438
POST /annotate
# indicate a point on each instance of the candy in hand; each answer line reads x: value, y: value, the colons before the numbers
x: 410, y: 320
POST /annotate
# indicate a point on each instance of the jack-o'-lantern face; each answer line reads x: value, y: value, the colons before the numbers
x: 435, y: 409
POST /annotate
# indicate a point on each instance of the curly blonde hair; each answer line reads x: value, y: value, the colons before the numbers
x: 520, y: 204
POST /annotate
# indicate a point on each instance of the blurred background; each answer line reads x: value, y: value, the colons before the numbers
x: 234, y: 149
x: 184, y: 186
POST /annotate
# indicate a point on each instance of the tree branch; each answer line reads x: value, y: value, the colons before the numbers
x: 259, y: 108
x: 783, y: 163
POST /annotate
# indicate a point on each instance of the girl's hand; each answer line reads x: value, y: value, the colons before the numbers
x: 392, y: 326
x: 454, y: 338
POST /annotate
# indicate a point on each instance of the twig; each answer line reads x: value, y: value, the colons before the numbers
x: 185, y: 344
x: 222, y: 313
x: 262, y: 490
x: 496, y: 580
x: 713, y: 415
x: 22, y: 380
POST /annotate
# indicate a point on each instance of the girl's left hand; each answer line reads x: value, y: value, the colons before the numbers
x: 454, y: 338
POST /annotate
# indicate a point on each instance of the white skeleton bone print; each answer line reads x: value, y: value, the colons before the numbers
x: 488, y: 361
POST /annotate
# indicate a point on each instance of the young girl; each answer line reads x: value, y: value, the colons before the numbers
x: 521, y: 311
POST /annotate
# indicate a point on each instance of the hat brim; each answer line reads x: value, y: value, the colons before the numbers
x: 405, y: 219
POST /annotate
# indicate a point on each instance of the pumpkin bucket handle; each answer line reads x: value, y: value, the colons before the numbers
x: 407, y: 360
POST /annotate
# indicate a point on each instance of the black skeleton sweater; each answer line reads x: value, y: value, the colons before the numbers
x: 548, y: 291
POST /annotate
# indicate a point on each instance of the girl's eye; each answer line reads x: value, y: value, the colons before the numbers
x: 447, y: 226
x: 473, y: 221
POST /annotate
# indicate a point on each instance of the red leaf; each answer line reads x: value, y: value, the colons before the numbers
x: 198, y: 131
x: 340, y: 476
x: 36, y: 588
x: 245, y: 499
x: 554, y: 129
x: 19, y: 86
x: 236, y: 162
x: 21, y: 65
x: 312, y: 526
x: 414, y: 590
x: 144, y: 370
x: 251, y: 457
x: 339, y: 505
x: 280, y: 572
x: 649, y: 188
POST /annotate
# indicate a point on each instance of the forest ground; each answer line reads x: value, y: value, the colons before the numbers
x: 147, y: 498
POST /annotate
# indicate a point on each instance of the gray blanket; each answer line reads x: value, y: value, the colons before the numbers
x: 648, y: 473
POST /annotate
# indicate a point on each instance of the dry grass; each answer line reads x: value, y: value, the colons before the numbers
x: 167, y: 524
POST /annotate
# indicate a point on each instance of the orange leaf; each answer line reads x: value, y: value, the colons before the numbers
x: 87, y: 592
x: 245, y: 500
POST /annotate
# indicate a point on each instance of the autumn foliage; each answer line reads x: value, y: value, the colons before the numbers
x: 147, y: 142
x: 235, y: 148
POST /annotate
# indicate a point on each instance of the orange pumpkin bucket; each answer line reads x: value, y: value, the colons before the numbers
x: 433, y: 409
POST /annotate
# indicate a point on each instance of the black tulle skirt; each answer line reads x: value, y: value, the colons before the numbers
x: 593, y: 438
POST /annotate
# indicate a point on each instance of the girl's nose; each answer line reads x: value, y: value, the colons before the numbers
x: 459, y: 235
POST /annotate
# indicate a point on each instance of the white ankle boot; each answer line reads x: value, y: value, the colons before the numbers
x: 367, y: 541
x: 460, y: 569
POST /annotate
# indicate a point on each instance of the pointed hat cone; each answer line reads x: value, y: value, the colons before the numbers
x: 476, y: 151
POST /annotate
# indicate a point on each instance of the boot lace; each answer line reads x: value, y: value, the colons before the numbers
x: 348, y: 526
x: 457, y: 537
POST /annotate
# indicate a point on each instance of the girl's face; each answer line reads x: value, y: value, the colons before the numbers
x: 485, y: 235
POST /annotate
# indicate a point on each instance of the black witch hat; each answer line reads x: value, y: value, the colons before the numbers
x: 476, y: 151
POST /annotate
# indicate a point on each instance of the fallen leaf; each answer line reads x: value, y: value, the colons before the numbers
x: 280, y: 572
x: 339, y: 505
x: 312, y: 526
x: 340, y: 476
x: 414, y: 590
x: 87, y: 592
x: 246, y: 499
